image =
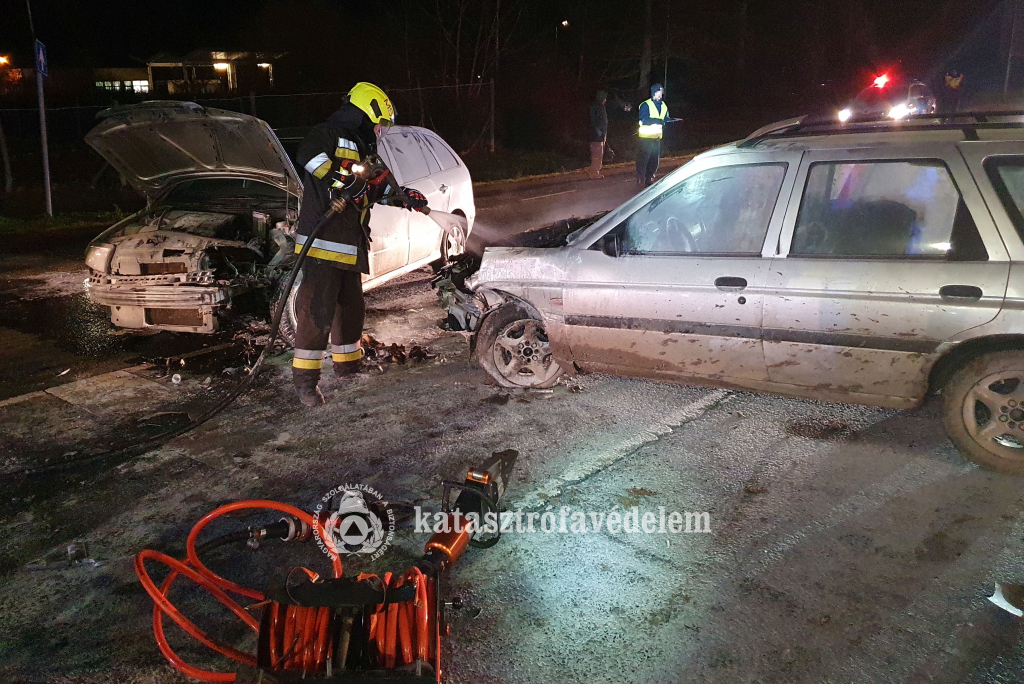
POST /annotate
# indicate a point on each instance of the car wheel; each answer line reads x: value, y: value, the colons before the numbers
x: 453, y: 243
x: 983, y: 411
x: 289, y: 320
x: 512, y: 346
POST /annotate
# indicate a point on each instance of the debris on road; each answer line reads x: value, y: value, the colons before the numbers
x: 813, y: 429
x: 1009, y: 597
x: 418, y: 353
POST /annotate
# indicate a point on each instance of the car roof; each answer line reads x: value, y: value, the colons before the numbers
x: 814, y: 133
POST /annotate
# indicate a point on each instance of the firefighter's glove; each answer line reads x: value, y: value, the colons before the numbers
x: 414, y: 199
x: 349, y: 187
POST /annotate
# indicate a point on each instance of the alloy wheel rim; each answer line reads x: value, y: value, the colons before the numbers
x: 522, y: 354
x: 993, y: 413
x: 454, y: 242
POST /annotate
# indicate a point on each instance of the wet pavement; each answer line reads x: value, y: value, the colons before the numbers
x: 846, y: 543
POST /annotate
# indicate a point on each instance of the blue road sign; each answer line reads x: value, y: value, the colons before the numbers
x: 41, y: 58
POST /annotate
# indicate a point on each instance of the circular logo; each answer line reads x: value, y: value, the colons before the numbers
x: 353, y: 519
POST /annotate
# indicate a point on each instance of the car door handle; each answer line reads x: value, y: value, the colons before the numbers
x: 961, y: 292
x: 730, y: 283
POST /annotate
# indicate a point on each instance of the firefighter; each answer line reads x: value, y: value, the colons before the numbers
x: 653, y: 117
x: 343, y: 173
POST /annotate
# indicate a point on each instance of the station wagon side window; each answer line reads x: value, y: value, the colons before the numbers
x: 407, y: 155
x: 720, y: 211
x: 444, y: 155
x: 885, y: 209
x: 1007, y: 176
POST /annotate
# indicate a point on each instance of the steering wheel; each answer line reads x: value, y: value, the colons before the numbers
x: 678, y: 237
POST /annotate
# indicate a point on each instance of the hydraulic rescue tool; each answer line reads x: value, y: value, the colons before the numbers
x: 391, y: 628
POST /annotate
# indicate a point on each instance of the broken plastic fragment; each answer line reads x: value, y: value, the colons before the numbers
x: 1009, y: 597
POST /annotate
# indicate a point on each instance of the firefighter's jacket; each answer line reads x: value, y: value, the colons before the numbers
x: 326, y: 156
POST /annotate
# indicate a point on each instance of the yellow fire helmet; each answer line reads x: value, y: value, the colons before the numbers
x: 374, y: 102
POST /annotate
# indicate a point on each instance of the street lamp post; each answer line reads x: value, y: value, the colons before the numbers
x: 4, y: 157
x: 563, y: 24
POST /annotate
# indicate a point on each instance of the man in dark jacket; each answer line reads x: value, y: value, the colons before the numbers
x: 598, y: 133
x: 343, y: 173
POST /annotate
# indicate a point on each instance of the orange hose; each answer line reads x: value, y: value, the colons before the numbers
x: 218, y: 587
x: 391, y: 629
x: 299, y: 636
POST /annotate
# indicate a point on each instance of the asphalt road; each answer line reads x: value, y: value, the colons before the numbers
x: 846, y: 544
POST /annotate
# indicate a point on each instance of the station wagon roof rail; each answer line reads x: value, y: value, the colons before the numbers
x: 968, y: 122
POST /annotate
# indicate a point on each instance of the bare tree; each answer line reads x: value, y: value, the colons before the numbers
x: 645, y: 55
x: 741, y: 41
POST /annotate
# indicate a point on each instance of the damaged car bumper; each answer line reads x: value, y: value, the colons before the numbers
x: 182, y: 303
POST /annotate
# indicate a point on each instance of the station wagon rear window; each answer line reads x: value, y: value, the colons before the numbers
x: 885, y: 209
x: 1007, y: 176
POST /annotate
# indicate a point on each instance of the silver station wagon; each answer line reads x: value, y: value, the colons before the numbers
x: 868, y: 262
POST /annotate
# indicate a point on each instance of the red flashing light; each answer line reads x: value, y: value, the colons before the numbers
x: 881, y: 81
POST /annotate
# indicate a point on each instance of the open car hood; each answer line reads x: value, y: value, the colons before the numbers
x: 155, y: 145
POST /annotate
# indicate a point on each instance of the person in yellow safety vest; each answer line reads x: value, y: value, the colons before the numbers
x: 653, y: 116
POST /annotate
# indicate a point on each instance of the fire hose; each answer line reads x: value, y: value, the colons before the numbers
x: 337, y: 627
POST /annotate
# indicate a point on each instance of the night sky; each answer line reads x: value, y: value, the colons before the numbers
x: 126, y: 32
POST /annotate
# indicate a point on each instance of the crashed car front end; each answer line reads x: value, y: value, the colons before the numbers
x: 528, y: 268
x: 155, y: 271
x: 222, y: 204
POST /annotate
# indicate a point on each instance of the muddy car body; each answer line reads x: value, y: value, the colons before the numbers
x: 222, y: 205
x: 865, y: 263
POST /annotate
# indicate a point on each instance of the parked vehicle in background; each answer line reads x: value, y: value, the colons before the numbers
x: 223, y: 198
x: 864, y: 262
x: 890, y: 96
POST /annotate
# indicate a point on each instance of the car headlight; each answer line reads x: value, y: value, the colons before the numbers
x: 98, y: 257
x: 845, y: 114
x: 900, y: 111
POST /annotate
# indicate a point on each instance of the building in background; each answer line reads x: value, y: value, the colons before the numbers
x: 208, y: 72
x: 132, y: 80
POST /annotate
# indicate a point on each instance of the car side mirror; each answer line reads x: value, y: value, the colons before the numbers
x: 609, y: 244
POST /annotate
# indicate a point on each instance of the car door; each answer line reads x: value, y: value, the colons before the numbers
x: 681, y: 296
x: 389, y: 230
x: 416, y: 167
x: 884, y: 254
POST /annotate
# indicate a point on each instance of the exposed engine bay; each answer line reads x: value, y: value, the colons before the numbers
x: 176, y: 268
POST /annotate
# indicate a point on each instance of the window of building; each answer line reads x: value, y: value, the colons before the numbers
x: 724, y: 210
x: 885, y: 209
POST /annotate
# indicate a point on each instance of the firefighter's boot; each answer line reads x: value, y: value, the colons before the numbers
x: 305, y: 381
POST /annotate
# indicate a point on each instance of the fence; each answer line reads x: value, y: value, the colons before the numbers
x: 463, y: 114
